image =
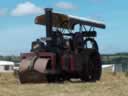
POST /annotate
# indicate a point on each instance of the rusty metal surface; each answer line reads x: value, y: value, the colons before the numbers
x: 32, y: 77
x: 28, y: 57
x: 24, y: 65
x: 32, y: 70
x: 40, y: 64
x: 59, y: 19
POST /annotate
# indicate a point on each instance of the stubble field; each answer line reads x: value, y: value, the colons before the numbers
x: 109, y: 85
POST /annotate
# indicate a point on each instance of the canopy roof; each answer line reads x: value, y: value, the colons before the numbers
x: 69, y: 21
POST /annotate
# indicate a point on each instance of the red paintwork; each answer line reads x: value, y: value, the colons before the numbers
x: 72, y: 63
x: 72, y: 67
x: 62, y: 62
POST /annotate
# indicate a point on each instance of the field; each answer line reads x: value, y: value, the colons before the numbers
x: 110, y: 85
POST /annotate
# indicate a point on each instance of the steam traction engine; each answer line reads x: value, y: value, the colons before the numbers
x: 63, y: 54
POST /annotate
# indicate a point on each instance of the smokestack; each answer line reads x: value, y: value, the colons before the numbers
x: 48, y: 17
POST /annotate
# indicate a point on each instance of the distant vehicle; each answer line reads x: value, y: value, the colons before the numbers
x: 6, y: 66
x: 64, y: 53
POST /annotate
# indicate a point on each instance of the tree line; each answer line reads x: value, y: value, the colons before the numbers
x: 15, y: 59
x: 106, y: 58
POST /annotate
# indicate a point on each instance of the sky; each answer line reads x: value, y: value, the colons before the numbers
x: 17, y: 28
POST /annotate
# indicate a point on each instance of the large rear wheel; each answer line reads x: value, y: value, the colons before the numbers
x: 96, y: 66
x: 92, y: 68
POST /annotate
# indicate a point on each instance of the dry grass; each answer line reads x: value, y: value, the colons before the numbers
x: 110, y: 85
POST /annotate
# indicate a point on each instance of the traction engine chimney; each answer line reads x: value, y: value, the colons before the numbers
x: 48, y: 18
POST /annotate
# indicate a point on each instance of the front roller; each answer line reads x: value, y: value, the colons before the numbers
x: 32, y: 70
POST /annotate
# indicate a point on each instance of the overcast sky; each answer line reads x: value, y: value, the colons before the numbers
x: 17, y: 28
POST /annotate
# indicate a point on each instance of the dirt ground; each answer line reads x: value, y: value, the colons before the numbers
x: 109, y: 85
